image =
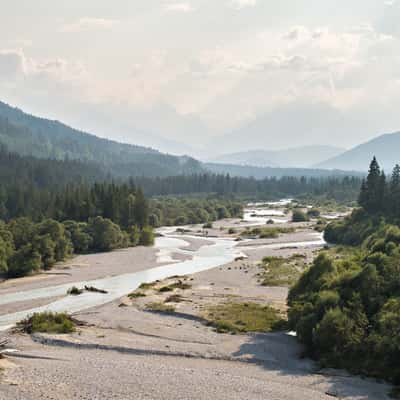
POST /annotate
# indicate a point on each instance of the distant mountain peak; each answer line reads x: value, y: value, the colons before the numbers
x: 296, y: 157
x: 385, y: 147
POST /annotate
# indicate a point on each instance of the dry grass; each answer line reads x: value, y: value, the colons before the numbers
x: 160, y: 307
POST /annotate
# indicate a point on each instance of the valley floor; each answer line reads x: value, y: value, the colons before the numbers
x: 125, y: 351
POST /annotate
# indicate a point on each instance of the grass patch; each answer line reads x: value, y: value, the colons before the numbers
x: 267, y: 233
x: 136, y: 295
x: 48, y: 322
x: 177, y: 285
x: 278, y: 271
x: 147, y: 286
x: 160, y: 307
x: 244, y: 317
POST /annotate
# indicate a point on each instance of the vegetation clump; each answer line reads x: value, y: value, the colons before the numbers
x: 147, y: 285
x: 346, y: 307
x: 267, y: 233
x: 160, y: 307
x: 136, y: 294
x: 48, y: 322
x: 279, y: 271
x: 74, y: 291
x: 299, y: 216
x: 176, y: 285
x: 244, y: 317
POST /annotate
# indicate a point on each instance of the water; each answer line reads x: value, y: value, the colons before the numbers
x: 222, y: 251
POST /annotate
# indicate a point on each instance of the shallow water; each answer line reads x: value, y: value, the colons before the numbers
x: 207, y: 257
x: 220, y: 252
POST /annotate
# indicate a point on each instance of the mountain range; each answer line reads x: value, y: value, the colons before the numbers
x: 299, y: 157
x: 28, y: 135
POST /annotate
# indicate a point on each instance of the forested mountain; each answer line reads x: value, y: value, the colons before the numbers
x: 28, y: 135
x: 385, y: 147
x: 297, y: 157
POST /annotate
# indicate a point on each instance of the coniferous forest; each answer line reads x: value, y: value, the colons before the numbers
x: 53, y: 208
x: 346, y: 306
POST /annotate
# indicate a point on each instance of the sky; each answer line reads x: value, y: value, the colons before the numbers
x: 207, y: 76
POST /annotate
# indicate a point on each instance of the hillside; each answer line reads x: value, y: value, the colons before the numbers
x: 385, y: 148
x: 298, y: 157
x: 32, y: 136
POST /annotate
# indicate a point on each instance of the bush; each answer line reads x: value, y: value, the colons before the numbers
x: 48, y: 322
x: 299, y: 216
x: 74, y: 291
x: 147, y: 237
x: 106, y: 235
x: 313, y: 213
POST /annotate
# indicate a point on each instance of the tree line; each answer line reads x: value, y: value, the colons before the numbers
x: 346, y: 307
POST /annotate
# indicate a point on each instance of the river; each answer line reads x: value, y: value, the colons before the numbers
x: 220, y: 252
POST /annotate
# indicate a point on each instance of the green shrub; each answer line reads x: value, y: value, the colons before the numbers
x: 48, y: 322
x: 299, y: 216
x: 74, y: 291
x: 147, y: 236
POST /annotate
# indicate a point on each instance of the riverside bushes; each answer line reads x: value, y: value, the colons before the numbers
x: 27, y: 247
x: 346, y: 308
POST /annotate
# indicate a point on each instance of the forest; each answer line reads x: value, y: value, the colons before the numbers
x: 346, y: 307
x: 50, y: 210
x: 62, y: 206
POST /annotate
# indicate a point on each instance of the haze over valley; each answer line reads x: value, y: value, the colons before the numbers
x: 199, y: 199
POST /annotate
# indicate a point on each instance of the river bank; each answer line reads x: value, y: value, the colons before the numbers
x: 124, y: 351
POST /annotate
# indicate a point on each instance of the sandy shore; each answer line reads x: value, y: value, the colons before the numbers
x: 126, y: 352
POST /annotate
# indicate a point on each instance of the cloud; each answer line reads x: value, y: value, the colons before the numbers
x: 89, y: 24
x: 240, y: 4
x: 16, y: 64
x: 179, y: 7
x: 12, y: 64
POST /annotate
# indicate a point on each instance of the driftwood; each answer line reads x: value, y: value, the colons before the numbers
x: 95, y: 290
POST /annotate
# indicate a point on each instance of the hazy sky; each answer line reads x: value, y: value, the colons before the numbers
x: 294, y: 71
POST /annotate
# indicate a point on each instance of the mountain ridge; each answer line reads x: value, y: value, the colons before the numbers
x: 385, y: 147
x: 295, y: 157
x: 29, y: 135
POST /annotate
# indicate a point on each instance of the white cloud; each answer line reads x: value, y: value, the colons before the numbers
x: 240, y: 4
x: 179, y: 7
x: 89, y: 24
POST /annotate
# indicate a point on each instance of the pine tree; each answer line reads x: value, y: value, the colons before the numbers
x: 373, y: 196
